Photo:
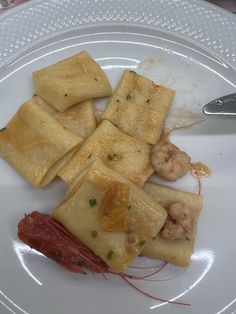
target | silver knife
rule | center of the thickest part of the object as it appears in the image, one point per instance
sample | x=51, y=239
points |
x=223, y=106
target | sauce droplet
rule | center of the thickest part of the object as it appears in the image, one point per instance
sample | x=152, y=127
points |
x=199, y=170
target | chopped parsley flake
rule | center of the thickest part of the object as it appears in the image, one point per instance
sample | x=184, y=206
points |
x=3, y=129
x=187, y=238
x=141, y=242
x=114, y=157
x=129, y=97
x=95, y=79
x=109, y=255
x=129, y=207
x=92, y=202
x=148, y=100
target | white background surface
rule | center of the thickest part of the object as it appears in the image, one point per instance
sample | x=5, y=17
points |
x=29, y=283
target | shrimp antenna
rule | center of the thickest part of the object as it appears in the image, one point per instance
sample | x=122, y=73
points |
x=152, y=296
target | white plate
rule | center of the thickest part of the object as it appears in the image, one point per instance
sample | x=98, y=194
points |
x=187, y=45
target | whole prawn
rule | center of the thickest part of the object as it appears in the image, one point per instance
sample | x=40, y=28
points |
x=49, y=237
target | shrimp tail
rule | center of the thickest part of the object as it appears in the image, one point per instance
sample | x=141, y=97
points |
x=44, y=234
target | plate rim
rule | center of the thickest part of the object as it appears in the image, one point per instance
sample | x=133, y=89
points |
x=26, y=4
x=9, y=51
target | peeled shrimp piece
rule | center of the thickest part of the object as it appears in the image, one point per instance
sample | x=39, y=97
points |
x=169, y=161
x=179, y=222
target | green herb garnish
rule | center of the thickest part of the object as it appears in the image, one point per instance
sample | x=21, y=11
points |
x=95, y=79
x=187, y=238
x=89, y=156
x=129, y=97
x=3, y=129
x=92, y=202
x=114, y=157
x=141, y=242
x=129, y=207
x=109, y=255
x=132, y=72
x=148, y=100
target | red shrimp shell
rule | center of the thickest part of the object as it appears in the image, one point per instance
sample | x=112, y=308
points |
x=42, y=233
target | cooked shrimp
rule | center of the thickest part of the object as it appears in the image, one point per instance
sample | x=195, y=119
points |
x=49, y=237
x=180, y=221
x=169, y=161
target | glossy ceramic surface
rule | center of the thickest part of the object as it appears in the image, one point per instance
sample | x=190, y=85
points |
x=30, y=283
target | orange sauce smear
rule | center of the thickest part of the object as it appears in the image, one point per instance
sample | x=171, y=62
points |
x=199, y=171
x=113, y=208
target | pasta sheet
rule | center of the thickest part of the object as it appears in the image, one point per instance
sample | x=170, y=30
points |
x=36, y=145
x=79, y=119
x=71, y=81
x=135, y=217
x=178, y=251
x=139, y=107
x=117, y=150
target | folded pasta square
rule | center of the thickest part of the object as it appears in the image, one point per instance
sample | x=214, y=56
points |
x=79, y=119
x=36, y=145
x=110, y=215
x=178, y=252
x=139, y=107
x=117, y=150
x=143, y=123
x=71, y=81
x=144, y=92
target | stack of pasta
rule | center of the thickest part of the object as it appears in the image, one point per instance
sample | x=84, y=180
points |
x=110, y=205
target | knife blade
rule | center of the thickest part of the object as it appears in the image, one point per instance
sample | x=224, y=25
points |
x=223, y=106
